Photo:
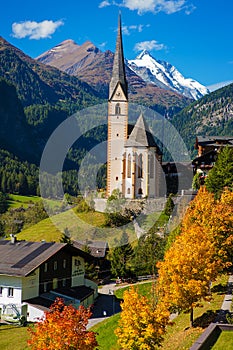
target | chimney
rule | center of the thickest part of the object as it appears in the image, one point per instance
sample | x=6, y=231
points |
x=13, y=239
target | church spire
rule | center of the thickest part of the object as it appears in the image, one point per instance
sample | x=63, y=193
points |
x=118, y=72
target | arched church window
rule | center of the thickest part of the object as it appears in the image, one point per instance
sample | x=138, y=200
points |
x=128, y=190
x=140, y=172
x=139, y=191
x=118, y=109
x=129, y=166
x=151, y=165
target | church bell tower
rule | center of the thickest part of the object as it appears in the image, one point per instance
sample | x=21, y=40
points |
x=117, y=119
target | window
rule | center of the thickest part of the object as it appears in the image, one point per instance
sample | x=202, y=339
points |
x=140, y=166
x=128, y=190
x=77, y=262
x=45, y=267
x=45, y=286
x=64, y=263
x=129, y=166
x=10, y=292
x=117, y=135
x=55, y=265
x=140, y=191
x=55, y=283
x=1, y=289
x=118, y=109
x=116, y=178
x=63, y=282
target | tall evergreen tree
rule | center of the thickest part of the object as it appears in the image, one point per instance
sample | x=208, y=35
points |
x=3, y=203
x=221, y=175
x=148, y=252
x=121, y=257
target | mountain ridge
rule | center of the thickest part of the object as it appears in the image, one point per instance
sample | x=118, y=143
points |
x=94, y=66
x=164, y=73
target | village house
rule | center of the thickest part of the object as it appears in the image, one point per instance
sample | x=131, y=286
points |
x=34, y=274
x=207, y=148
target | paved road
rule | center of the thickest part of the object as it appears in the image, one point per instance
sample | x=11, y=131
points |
x=226, y=305
x=105, y=305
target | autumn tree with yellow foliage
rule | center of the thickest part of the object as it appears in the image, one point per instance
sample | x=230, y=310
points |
x=142, y=323
x=203, y=248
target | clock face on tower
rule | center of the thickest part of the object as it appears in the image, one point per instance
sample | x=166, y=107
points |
x=118, y=94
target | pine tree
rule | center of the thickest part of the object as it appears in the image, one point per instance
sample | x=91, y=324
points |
x=121, y=257
x=221, y=175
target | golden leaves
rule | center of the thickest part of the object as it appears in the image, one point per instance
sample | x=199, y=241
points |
x=141, y=325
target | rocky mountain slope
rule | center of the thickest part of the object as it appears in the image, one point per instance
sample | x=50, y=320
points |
x=93, y=66
x=165, y=75
x=40, y=98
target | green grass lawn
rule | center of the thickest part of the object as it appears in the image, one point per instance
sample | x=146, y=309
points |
x=16, y=201
x=224, y=342
x=51, y=229
x=143, y=288
x=106, y=337
x=13, y=337
x=81, y=226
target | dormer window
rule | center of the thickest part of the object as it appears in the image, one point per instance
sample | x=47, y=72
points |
x=118, y=109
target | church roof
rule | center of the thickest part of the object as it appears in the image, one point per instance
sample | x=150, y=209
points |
x=118, y=72
x=140, y=135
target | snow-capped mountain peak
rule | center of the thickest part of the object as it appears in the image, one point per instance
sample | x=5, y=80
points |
x=163, y=74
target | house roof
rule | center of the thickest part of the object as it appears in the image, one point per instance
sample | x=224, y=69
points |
x=23, y=257
x=214, y=140
x=98, y=249
x=140, y=135
x=44, y=301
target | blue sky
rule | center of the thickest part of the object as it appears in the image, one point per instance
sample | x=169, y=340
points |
x=194, y=35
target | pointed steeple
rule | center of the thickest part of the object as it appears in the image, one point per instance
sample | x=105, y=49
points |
x=140, y=135
x=118, y=72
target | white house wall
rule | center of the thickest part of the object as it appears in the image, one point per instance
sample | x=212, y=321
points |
x=34, y=314
x=7, y=282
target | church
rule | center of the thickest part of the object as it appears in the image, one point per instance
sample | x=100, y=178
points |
x=133, y=157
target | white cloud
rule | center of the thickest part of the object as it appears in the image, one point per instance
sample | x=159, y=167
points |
x=102, y=45
x=104, y=4
x=126, y=30
x=149, y=45
x=35, y=30
x=219, y=85
x=154, y=6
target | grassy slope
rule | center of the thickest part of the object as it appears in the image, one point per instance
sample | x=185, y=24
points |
x=50, y=229
x=16, y=201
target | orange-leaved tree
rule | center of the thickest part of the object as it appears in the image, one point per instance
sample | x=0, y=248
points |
x=142, y=322
x=63, y=328
x=187, y=271
x=191, y=263
x=220, y=227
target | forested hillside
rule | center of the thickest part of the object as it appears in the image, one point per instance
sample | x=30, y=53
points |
x=211, y=115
